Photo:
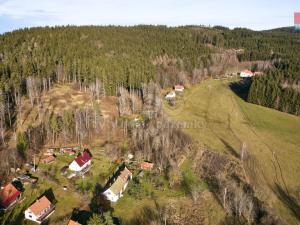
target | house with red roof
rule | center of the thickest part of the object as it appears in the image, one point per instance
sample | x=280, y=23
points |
x=82, y=162
x=9, y=195
x=40, y=210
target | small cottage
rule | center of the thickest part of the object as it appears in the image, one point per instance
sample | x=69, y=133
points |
x=40, y=210
x=179, y=88
x=246, y=74
x=146, y=166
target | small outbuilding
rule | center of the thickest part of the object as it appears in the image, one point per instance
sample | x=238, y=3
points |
x=179, y=88
x=171, y=95
x=146, y=166
x=246, y=74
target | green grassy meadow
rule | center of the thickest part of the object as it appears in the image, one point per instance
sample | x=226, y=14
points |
x=220, y=119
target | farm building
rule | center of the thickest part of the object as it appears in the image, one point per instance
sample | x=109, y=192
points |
x=118, y=186
x=146, y=166
x=246, y=74
x=82, y=162
x=171, y=95
x=40, y=210
x=179, y=88
x=9, y=195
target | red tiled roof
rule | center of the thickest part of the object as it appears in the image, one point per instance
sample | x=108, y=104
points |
x=147, y=165
x=247, y=71
x=297, y=18
x=72, y=222
x=8, y=195
x=40, y=205
x=83, y=158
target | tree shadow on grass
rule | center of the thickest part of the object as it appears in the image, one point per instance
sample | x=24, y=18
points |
x=18, y=185
x=241, y=88
x=99, y=202
x=288, y=200
x=81, y=216
x=230, y=148
x=233, y=220
x=50, y=195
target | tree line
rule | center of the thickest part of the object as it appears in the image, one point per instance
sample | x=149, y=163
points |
x=279, y=88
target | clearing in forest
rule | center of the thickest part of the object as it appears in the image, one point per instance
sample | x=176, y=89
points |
x=61, y=98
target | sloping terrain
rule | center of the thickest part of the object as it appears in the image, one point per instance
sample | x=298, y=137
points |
x=59, y=99
x=216, y=117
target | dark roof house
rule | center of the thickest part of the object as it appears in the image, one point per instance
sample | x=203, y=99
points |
x=83, y=158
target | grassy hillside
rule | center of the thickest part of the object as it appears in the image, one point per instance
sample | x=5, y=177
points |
x=218, y=118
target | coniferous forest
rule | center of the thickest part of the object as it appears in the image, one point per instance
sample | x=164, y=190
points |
x=130, y=56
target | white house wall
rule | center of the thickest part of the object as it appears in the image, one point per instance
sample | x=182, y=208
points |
x=33, y=217
x=111, y=196
x=74, y=166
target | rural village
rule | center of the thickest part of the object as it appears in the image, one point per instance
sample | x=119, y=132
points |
x=76, y=163
x=149, y=125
